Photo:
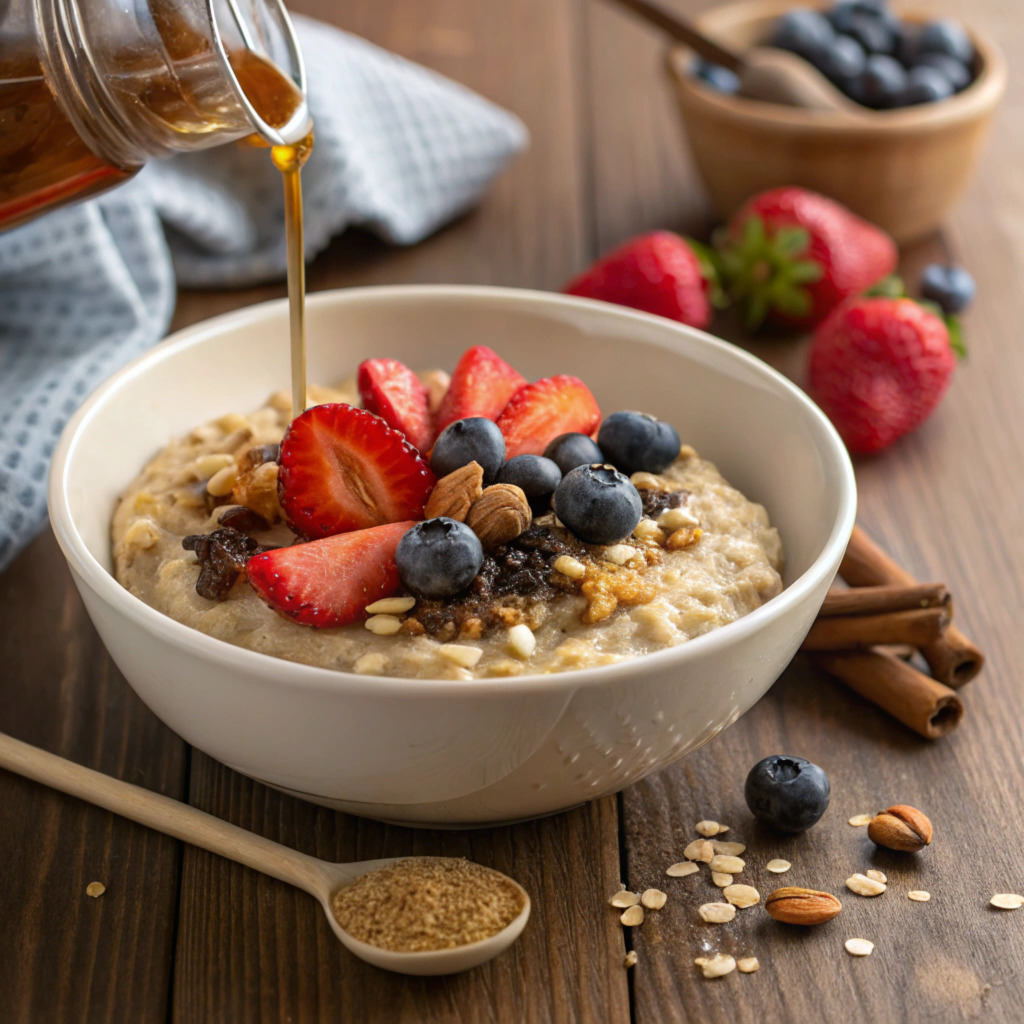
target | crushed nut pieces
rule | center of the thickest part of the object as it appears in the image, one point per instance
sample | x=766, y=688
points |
x=864, y=886
x=901, y=828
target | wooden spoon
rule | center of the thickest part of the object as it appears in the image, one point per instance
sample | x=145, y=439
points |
x=320, y=878
x=765, y=73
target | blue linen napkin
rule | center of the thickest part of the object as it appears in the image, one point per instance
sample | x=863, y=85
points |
x=399, y=150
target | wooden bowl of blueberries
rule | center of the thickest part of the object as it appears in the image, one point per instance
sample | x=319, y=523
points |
x=923, y=95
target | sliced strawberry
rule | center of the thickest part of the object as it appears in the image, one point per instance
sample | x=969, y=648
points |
x=342, y=468
x=393, y=392
x=537, y=413
x=329, y=582
x=481, y=385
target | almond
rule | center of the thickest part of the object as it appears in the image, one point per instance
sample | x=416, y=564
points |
x=499, y=515
x=901, y=828
x=802, y=906
x=453, y=494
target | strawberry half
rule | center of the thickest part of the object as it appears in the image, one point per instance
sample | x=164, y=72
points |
x=390, y=390
x=342, y=468
x=482, y=384
x=329, y=582
x=537, y=413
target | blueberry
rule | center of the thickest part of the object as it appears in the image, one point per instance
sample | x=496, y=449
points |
x=714, y=75
x=439, y=557
x=807, y=33
x=634, y=442
x=471, y=440
x=925, y=85
x=958, y=74
x=568, y=451
x=842, y=62
x=598, y=504
x=787, y=793
x=882, y=83
x=537, y=476
x=947, y=37
x=952, y=288
x=872, y=33
x=907, y=43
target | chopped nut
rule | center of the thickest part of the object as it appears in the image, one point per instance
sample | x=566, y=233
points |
x=726, y=848
x=684, y=538
x=630, y=960
x=859, y=947
x=673, y=519
x=919, y=895
x=208, y=465
x=778, y=866
x=373, y=664
x=878, y=876
x=619, y=554
x=748, y=965
x=461, y=654
x=651, y=482
x=716, y=913
x=700, y=849
x=454, y=494
x=707, y=828
x=391, y=606
x=859, y=820
x=383, y=625
x=793, y=905
x=142, y=534
x=901, y=828
x=624, y=898
x=632, y=916
x=727, y=865
x=653, y=899
x=648, y=529
x=741, y=896
x=682, y=869
x=521, y=641
x=864, y=886
x=499, y=515
x=719, y=966
x=222, y=483
x=721, y=879
x=95, y=889
x=1007, y=901
x=569, y=566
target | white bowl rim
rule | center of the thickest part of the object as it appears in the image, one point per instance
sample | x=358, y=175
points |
x=240, y=659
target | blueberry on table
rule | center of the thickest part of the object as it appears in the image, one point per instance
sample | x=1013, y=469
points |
x=882, y=83
x=598, y=504
x=872, y=33
x=634, y=442
x=475, y=439
x=714, y=75
x=925, y=85
x=952, y=288
x=842, y=62
x=907, y=43
x=567, y=451
x=536, y=476
x=947, y=37
x=958, y=74
x=807, y=33
x=439, y=557
x=787, y=793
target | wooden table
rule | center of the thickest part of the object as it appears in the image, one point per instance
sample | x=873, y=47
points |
x=183, y=936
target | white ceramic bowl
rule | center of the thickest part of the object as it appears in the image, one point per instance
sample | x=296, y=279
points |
x=457, y=752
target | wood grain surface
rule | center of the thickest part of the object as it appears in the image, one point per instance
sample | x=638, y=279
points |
x=183, y=936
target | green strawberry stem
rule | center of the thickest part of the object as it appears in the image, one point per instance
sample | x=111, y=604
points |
x=710, y=271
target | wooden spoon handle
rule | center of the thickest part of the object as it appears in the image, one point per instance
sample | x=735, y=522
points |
x=163, y=814
x=683, y=32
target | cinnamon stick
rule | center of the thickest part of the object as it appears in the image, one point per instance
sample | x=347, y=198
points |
x=953, y=658
x=889, y=597
x=928, y=707
x=847, y=632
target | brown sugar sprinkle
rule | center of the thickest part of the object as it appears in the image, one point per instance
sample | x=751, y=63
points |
x=425, y=903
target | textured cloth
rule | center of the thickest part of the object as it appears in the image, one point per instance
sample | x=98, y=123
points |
x=399, y=150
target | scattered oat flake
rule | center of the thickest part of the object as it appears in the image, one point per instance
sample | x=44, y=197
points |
x=859, y=820
x=859, y=947
x=1007, y=901
x=864, y=886
x=699, y=849
x=630, y=960
x=726, y=864
x=721, y=879
x=708, y=828
x=748, y=965
x=653, y=899
x=682, y=869
x=95, y=889
x=722, y=828
x=878, y=876
x=919, y=895
x=716, y=913
x=700, y=961
x=625, y=899
x=632, y=916
x=778, y=866
x=741, y=895
x=728, y=849
x=719, y=966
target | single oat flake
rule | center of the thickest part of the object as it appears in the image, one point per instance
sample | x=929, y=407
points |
x=878, y=876
x=864, y=886
x=727, y=848
x=682, y=869
x=748, y=965
x=778, y=866
x=1007, y=901
x=719, y=966
x=919, y=895
x=741, y=896
x=630, y=960
x=700, y=961
x=95, y=889
x=721, y=879
x=700, y=849
x=653, y=899
x=717, y=913
x=860, y=820
x=859, y=947
x=632, y=916
x=708, y=828
x=625, y=898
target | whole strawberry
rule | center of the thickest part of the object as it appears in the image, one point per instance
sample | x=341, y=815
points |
x=878, y=368
x=657, y=273
x=790, y=256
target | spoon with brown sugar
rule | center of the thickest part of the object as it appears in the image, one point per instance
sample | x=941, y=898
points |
x=453, y=914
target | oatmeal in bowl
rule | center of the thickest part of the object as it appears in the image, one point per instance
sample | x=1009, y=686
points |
x=421, y=526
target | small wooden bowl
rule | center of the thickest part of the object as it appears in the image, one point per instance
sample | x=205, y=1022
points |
x=900, y=169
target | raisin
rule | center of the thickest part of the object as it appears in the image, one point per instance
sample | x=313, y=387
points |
x=243, y=519
x=656, y=502
x=222, y=556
